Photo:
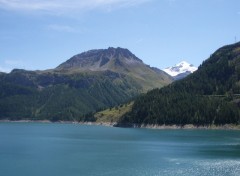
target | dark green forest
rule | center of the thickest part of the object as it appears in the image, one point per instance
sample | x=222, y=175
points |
x=206, y=97
x=62, y=97
x=76, y=89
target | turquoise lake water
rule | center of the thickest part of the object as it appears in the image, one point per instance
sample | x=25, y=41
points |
x=45, y=149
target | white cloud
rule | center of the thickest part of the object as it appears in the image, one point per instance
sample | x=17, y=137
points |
x=66, y=6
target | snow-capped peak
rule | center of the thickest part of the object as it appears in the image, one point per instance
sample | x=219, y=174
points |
x=182, y=67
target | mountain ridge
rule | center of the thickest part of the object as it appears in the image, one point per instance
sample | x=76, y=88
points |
x=99, y=59
x=209, y=96
x=118, y=60
x=72, y=91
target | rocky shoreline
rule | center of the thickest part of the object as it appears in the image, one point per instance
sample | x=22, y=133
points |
x=110, y=124
x=191, y=126
x=147, y=126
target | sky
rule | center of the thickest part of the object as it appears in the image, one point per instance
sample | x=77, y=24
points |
x=41, y=34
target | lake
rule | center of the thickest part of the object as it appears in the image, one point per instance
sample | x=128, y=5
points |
x=52, y=149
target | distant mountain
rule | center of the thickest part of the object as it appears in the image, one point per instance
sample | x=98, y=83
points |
x=120, y=61
x=180, y=70
x=209, y=96
x=85, y=83
x=114, y=59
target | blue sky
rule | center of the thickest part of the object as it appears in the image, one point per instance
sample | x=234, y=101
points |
x=41, y=34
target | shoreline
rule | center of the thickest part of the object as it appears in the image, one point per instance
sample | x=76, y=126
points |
x=192, y=127
x=143, y=126
x=110, y=124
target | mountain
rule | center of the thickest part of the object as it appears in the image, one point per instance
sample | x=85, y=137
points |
x=209, y=96
x=120, y=61
x=82, y=85
x=180, y=70
x=114, y=59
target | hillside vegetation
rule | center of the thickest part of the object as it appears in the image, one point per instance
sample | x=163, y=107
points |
x=75, y=90
x=208, y=96
x=113, y=114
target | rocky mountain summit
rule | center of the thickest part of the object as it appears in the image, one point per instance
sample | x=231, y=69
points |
x=117, y=60
x=101, y=60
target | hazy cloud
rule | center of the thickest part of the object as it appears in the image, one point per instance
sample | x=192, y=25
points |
x=13, y=62
x=64, y=6
x=171, y=2
x=138, y=41
x=4, y=69
x=8, y=64
x=62, y=28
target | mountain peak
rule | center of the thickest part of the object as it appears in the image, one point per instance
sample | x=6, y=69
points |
x=183, y=63
x=117, y=60
x=101, y=59
x=183, y=69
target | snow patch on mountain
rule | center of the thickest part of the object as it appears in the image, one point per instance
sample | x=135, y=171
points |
x=180, y=68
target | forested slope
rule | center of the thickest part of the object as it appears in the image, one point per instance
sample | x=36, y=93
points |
x=208, y=96
x=86, y=83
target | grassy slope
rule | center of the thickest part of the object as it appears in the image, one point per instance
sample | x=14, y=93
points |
x=144, y=75
x=113, y=114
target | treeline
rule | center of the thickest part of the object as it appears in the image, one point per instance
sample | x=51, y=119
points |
x=191, y=100
x=181, y=108
x=51, y=96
